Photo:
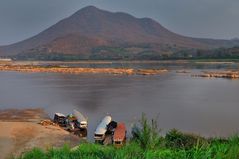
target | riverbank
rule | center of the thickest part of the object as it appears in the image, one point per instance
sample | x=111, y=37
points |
x=218, y=74
x=147, y=143
x=22, y=137
x=77, y=70
x=21, y=131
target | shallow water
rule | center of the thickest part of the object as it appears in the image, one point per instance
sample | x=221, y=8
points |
x=204, y=106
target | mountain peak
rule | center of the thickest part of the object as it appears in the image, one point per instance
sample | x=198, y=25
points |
x=88, y=9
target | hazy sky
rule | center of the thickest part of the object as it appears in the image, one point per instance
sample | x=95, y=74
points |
x=20, y=19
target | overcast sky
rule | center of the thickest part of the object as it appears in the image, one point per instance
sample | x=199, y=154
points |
x=20, y=19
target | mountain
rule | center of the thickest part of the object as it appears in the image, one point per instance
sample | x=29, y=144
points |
x=92, y=33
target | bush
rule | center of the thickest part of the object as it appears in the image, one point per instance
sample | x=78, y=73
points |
x=179, y=140
x=146, y=134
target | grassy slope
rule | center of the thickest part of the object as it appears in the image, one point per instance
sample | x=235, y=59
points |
x=133, y=150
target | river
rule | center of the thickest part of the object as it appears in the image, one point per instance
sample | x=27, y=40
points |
x=203, y=106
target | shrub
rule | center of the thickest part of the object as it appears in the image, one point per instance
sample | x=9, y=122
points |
x=179, y=140
x=146, y=134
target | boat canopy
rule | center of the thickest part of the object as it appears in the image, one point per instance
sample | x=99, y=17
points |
x=60, y=115
x=101, y=128
x=80, y=117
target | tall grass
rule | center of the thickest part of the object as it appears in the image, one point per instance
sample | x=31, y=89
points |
x=146, y=133
x=147, y=143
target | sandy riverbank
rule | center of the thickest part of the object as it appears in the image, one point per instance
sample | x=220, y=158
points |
x=218, y=74
x=77, y=70
x=21, y=131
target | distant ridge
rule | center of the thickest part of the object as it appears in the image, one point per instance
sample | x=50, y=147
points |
x=94, y=33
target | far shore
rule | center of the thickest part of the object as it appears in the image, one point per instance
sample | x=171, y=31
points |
x=65, y=67
x=198, y=61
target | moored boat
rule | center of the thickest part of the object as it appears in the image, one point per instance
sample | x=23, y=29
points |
x=119, y=137
x=102, y=129
x=81, y=120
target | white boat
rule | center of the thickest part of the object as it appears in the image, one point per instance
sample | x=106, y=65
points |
x=81, y=119
x=102, y=128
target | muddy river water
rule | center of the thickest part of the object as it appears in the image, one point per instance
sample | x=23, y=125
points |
x=208, y=107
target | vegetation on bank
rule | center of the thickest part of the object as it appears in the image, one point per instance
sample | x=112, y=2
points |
x=147, y=143
x=134, y=52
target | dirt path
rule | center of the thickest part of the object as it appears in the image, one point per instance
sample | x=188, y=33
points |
x=18, y=135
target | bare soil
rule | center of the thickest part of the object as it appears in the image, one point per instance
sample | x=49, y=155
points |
x=20, y=131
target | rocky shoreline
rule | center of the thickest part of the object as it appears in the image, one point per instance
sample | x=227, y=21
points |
x=219, y=74
x=78, y=70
